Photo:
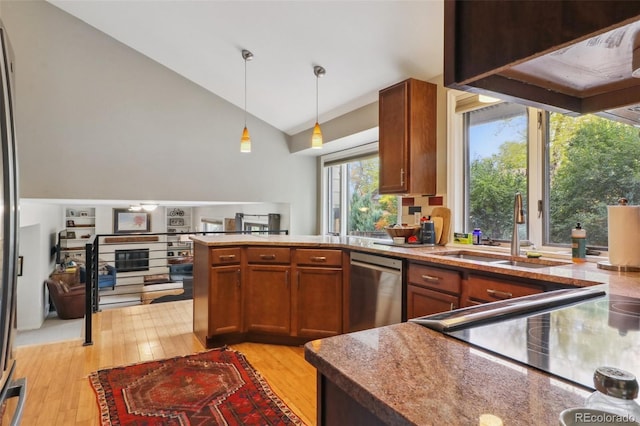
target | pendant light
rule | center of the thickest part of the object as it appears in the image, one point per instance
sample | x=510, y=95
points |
x=245, y=140
x=316, y=137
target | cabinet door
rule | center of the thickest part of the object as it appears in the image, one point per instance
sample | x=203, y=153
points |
x=407, y=138
x=268, y=301
x=422, y=301
x=488, y=289
x=393, y=138
x=318, y=302
x=225, y=298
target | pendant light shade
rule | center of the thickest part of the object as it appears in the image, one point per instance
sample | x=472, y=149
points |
x=316, y=137
x=245, y=140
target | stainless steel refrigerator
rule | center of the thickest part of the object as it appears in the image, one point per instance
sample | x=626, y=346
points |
x=10, y=387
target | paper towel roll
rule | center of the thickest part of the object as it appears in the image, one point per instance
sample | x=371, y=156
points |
x=624, y=235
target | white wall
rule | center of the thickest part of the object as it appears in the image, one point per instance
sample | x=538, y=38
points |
x=97, y=120
x=39, y=225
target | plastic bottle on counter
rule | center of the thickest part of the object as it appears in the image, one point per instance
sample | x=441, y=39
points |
x=578, y=244
x=615, y=393
x=477, y=237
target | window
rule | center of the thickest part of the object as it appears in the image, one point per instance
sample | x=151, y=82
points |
x=351, y=203
x=568, y=169
x=212, y=225
x=496, y=142
x=591, y=162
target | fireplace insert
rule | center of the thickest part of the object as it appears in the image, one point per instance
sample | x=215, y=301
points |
x=132, y=260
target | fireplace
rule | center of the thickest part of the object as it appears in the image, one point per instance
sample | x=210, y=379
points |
x=133, y=260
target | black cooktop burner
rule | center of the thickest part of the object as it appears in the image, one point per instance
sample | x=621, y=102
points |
x=569, y=342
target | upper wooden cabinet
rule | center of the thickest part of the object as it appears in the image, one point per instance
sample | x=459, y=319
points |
x=407, y=140
x=553, y=54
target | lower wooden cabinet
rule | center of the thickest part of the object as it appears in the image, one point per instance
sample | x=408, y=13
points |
x=431, y=290
x=268, y=299
x=482, y=289
x=225, y=291
x=422, y=301
x=318, y=303
x=267, y=294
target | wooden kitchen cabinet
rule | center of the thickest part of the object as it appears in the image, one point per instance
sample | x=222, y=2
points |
x=268, y=300
x=226, y=300
x=479, y=289
x=318, y=300
x=217, y=292
x=422, y=301
x=268, y=290
x=407, y=138
x=431, y=290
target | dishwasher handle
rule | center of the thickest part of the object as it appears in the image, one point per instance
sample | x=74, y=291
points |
x=376, y=267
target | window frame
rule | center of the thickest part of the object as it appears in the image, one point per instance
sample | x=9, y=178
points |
x=457, y=104
x=339, y=158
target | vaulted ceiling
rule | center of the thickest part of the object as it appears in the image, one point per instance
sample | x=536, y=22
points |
x=363, y=45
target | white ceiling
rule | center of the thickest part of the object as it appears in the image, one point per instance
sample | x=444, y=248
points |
x=364, y=46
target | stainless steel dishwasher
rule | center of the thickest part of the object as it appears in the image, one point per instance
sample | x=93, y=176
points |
x=375, y=295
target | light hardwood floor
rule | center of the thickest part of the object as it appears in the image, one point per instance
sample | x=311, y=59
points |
x=59, y=393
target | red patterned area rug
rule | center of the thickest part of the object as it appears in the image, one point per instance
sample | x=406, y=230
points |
x=217, y=387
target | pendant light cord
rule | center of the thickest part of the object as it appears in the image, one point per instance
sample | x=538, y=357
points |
x=245, y=92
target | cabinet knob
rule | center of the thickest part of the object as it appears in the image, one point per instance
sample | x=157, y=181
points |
x=227, y=257
x=318, y=259
x=268, y=256
x=499, y=294
x=402, y=176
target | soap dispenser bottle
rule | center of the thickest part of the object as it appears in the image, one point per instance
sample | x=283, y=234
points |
x=578, y=244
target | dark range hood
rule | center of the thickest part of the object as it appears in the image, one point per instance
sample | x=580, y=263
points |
x=573, y=57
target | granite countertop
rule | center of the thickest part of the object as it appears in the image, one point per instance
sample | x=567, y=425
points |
x=408, y=375
x=579, y=275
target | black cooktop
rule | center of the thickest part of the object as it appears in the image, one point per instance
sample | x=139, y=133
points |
x=568, y=342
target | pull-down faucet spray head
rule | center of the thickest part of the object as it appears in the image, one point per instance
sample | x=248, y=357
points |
x=518, y=218
x=518, y=211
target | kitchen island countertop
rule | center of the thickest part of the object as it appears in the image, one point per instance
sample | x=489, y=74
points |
x=406, y=374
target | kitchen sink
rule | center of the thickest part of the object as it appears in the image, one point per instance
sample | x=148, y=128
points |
x=500, y=260
x=523, y=264
x=476, y=257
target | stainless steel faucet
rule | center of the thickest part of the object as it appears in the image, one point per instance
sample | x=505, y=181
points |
x=518, y=218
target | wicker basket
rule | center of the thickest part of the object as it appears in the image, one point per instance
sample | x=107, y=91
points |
x=405, y=231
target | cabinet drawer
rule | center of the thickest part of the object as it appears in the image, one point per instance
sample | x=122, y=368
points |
x=315, y=257
x=487, y=289
x=434, y=278
x=225, y=256
x=269, y=255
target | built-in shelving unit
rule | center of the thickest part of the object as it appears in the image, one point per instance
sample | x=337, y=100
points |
x=80, y=225
x=178, y=221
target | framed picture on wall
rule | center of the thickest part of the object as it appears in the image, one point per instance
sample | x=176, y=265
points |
x=126, y=221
